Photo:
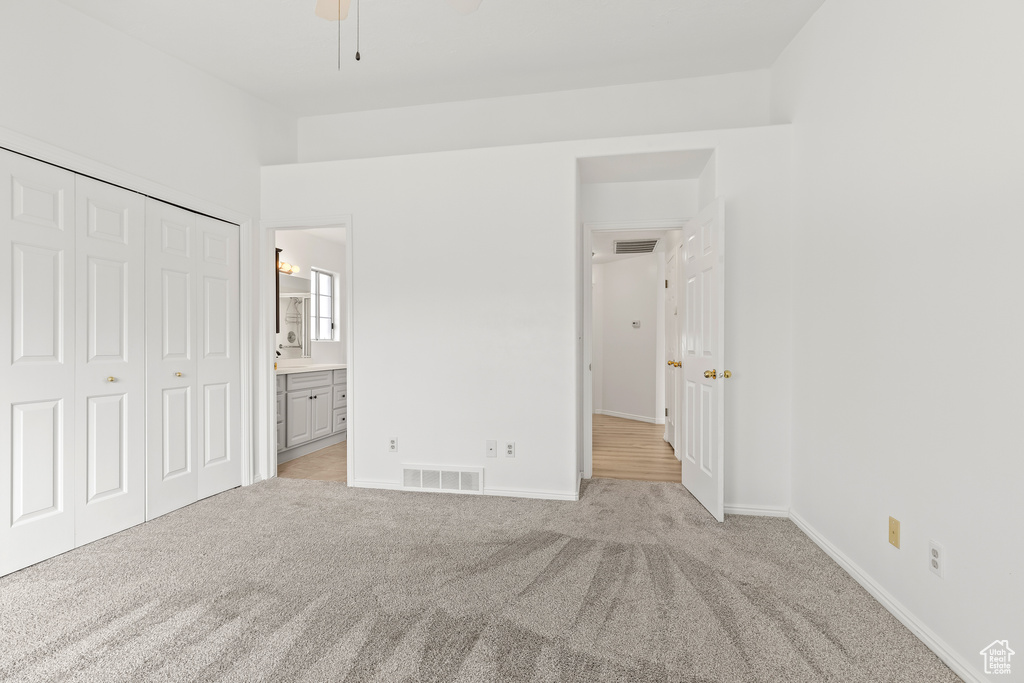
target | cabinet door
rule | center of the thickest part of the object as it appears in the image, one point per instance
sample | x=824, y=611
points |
x=172, y=479
x=37, y=361
x=299, y=418
x=323, y=412
x=110, y=401
x=218, y=398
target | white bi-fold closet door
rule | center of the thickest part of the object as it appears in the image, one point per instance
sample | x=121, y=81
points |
x=194, y=371
x=78, y=459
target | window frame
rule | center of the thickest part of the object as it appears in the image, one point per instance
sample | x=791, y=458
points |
x=315, y=314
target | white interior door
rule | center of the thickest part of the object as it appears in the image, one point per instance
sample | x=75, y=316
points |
x=671, y=351
x=172, y=264
x=219, y=367
x=37, y=353
x=110, y=387
x=703, y=400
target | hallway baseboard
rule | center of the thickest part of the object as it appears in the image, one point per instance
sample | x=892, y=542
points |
x=627, y=416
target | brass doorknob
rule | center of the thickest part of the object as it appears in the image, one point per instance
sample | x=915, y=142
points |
x=711, y=374
x=678, y=364
x=672, y=363
x=726, y=374
x=111, y=379
x=177, y=374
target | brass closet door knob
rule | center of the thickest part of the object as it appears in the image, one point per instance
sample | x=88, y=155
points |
x=726, y=374
x=177, y=374
x=711, y=374
x=111, y=379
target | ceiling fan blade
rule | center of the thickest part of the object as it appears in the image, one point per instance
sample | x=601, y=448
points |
x=329, y=9
x=465, y=6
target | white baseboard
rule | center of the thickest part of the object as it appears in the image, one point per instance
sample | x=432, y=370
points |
x=756, y=511
x=386, y=485
x=530, y=493
x=627, y=416
x=951, y=659
x=508, y=493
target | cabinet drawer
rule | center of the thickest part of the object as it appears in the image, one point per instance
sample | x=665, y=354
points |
x=280, y=383
x=308, y=380
x=340, y=420
x=280, y=408
x=340, y=376
x=340, y=396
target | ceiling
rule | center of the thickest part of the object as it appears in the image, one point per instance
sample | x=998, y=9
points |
x=336, y=235
x=422, y=51
x=654, y=166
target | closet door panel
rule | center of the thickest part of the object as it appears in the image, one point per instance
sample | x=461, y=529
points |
x=37, y=411
x=172, y=263
x=110, y=473
x=220, y=415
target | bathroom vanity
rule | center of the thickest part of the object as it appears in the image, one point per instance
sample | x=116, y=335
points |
x=312, y=402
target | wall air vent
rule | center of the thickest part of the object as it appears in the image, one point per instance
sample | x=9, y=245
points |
x=446, y=479
x=635, y=246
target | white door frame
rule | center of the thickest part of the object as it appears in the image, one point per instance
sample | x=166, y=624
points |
x=266, y=377
x=584, y=367
x=249, y=280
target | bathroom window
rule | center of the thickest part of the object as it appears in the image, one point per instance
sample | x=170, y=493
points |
x=322, y=308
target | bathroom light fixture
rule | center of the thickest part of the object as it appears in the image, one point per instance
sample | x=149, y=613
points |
x=287, y=268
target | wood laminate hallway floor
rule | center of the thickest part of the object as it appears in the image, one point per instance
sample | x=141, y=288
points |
x=326, y=464
x=627, y=449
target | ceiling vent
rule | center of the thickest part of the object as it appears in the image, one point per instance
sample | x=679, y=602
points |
x=635, y=246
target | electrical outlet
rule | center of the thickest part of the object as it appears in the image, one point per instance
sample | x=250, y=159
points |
x=936, y=558
x=894, y=531
x=492, y=449
x=510, y=449
x=393, y=444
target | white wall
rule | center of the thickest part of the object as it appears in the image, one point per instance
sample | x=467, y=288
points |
x=75, y=83
x=629, y=355
x=729, y=101
x=639, y=201
x=908, y=175
x=312, y=251
x=465, y=304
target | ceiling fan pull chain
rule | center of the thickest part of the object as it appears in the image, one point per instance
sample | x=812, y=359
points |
x=359, y=16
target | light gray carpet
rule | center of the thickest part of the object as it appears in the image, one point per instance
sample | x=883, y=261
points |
x=294, y=580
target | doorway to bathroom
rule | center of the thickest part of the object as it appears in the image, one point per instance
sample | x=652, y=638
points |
x=311, y=370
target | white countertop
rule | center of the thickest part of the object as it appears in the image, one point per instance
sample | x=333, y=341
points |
x=291, y=370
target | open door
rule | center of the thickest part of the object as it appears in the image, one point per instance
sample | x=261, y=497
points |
x=702, y=300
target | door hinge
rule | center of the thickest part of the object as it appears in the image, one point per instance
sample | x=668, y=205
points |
x=666, y=284
x=666, y=412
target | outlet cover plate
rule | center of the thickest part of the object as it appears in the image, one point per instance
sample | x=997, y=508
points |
x=894, y=532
